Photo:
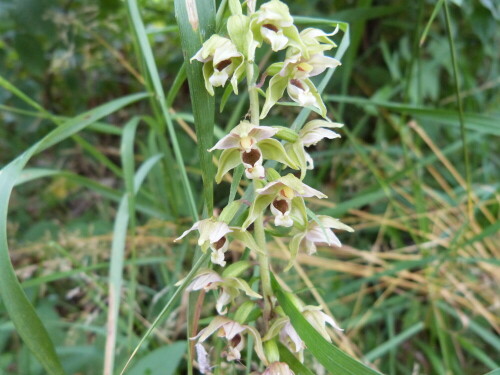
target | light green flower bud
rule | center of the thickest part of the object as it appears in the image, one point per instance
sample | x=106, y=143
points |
x=273, y=24
x=221, y=62
x=271, y=350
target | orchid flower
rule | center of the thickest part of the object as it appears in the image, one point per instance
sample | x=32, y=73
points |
x=221, y=61
x=319, y=231
x=212, y=233
x=230, y=286
x=233, y=332
x=273, y=24
x=282, y=195
x=313, y=132
x=249, y=145
x=318, y=319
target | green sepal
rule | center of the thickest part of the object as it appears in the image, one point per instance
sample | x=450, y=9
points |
x=274, y=150
x=229, y=211
x=238, y=27
x=208, y=70
x=286, y=134
x=276, y=327
x=243, y=313
x=236, y=269
x=296, y=152
x=272, y=174
x=299, y=206
x=258, y=206
x=274, y=69
x=228, y=160
x=247, y=239
x=274, y=92
x=294, y=246
x=279, y=231
x=235, y=7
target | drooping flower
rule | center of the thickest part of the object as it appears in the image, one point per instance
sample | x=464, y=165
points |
x=288, y=336
x=317, y=231
x=313, y=132
x=212, y=233
x=301, y=63
x=283, y=195
x=230, y=288
x=273, y=24
x=233, y=332
x=318, y=319
x=221, y=62
x=249, y=145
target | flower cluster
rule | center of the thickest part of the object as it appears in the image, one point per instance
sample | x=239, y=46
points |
x=278, y=190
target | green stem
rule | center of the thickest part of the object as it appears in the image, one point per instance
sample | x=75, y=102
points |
x=260, y=235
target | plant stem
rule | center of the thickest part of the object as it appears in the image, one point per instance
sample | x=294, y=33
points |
x=260, y=236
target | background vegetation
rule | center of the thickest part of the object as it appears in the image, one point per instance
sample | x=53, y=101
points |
x=415, y=287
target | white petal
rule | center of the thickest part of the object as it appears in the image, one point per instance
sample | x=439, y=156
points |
x=317, y=235
x=218, y=230
x=328, y=319
x=229, y=141
x=277, y=40
x=217, y=257
x=202, y=357
x=255, y=172
x=316, y=135
x=310, y=192
x=270, y=188
x=204, y=281
x=320, y=63
x=309, y=161
x=194, y=227
x=218, y=78
x=222, y=301
x=262, y=132
x=232, y=329
x=294, y=336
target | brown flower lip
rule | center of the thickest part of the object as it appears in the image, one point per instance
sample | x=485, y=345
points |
x=220, y=243
x=250, y=157
x=281, y=205
x=270, y=27
x=297, y=83
x=220, y=66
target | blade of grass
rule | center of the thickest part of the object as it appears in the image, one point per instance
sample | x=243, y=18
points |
x=460, y=111
x=123, y=216
x=159, y=97
x=193, y=33
x=394, y=342
x=22, y=313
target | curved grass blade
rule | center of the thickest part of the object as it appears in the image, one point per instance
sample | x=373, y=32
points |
x=332, y=358
x=193, y=33
x=287, y=357
x=20, y=310
x=123, y=216
x=159, y=97
x=166, y=309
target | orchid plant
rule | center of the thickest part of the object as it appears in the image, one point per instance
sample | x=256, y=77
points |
x=227, y=59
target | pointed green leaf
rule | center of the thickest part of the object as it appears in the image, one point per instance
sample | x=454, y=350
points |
x=228, y=160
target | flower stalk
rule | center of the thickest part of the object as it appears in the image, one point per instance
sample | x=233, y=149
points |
x=227, y=59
